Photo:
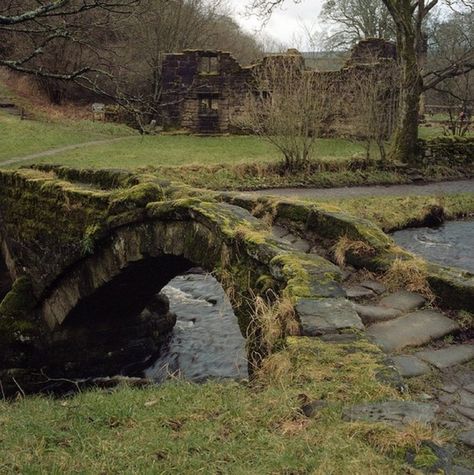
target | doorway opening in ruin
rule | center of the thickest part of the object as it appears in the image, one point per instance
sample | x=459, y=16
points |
x=208, y=113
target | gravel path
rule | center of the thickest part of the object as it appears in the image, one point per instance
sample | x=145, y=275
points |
x=443, y=187
x=55, y=151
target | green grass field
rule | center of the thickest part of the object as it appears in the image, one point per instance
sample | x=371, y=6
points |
x=20, y=138
x=23, y=137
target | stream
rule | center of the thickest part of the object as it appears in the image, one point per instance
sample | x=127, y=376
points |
x=206, y=341
x=451, y=244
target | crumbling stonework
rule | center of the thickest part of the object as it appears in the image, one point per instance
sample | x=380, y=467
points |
x=205, y=91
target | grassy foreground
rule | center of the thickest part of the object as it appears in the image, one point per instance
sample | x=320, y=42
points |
x=218, y=427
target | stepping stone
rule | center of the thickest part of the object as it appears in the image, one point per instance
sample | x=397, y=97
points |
x=467, y=438
x=403, y=300
x=320, y=316
x=358, y=292
x=374, y=313
x=396, y=413
x=410, y=366
x=446, y=357
x=377, y=287
x=414, y=329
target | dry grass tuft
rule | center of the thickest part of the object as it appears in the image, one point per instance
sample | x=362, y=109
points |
x=387, y=440
x=344, y=245
x=275, y=369
x=409, y=274
x=272, y=320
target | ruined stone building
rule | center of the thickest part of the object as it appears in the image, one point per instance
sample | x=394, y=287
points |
x=204, y=91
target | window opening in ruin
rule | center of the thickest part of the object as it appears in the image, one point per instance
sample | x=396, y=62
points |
x=209, y=65
x=208, y=105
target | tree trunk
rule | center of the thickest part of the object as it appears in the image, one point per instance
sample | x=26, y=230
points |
x=405, y=138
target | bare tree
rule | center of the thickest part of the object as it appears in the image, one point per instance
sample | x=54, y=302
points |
x=409, y=18
x=288, y=107
x=40, y=26
x=355, y=20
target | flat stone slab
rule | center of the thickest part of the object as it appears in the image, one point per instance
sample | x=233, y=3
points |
x=396, y=413
x=414, y=329
x=467, y=438
x=403, y=300
x=446, y=357
x=375, y=313
x=410, y=366
x=377, y=287
x=320, y=316
x=358, y=292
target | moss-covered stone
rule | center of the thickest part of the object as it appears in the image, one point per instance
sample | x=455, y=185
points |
x=15, y=311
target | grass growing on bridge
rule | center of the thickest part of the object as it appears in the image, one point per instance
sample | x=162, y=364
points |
x=216, y=427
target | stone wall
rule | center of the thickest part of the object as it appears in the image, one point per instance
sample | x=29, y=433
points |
x=204, y=91
x=449, y=151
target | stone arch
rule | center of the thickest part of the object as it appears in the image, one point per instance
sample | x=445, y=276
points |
x=129, y=267
x=146, y=256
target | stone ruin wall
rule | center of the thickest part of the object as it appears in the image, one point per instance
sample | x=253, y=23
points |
x=203, y=91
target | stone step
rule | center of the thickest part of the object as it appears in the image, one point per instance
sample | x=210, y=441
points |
x=358, y=292
x=414, y=329
x=395, y=413
x=403, y=300
x=447, y=357
x=374, y=313
x=329, y=315
x=409, y=366
x=377, y=287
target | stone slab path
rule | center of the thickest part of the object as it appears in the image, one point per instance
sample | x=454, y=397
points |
x=403, y=326
x=414, y=329
x=443, y=187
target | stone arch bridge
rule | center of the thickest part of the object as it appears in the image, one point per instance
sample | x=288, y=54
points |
x=83, y=252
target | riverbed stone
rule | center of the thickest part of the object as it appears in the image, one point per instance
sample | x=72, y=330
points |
x=377, y=287
x=414, y=329
x=396, y=413
x=321, y=316
x=403, y=300
x=449, y=356
x=375, y=313
x=358, y=292
x=410, y=366
x=467, y=438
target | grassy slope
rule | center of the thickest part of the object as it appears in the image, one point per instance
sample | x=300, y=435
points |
x=19, y=138
x=215, y=428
